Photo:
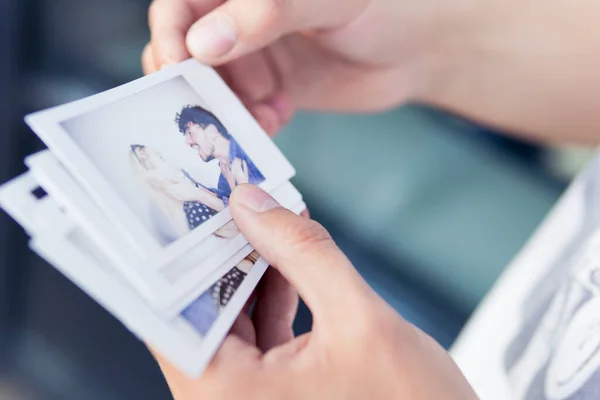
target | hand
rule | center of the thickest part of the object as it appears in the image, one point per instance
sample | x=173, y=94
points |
x=226, y=172
x=279, y=55
x=359, y=347
x=239, y=170
x=500, y=62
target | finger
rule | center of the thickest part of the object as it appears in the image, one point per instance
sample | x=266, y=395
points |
x=148, y=65
x=267, y=118
x=275, y=311
x=302, y=251
x=169, y=22
x=239, y=27
x=282, y=104
x=274, y=113
x=251, y=77
x=256, y=81
x=243, y=328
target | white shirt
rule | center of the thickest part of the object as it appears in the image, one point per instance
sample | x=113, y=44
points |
x=537, y=333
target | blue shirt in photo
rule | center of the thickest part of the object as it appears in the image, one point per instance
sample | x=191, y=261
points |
x=202, y=313
x=223, y=190
x=255, y=177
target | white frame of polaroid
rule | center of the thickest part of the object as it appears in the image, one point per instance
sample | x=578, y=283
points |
x=167, y=297
x=188, y=353
x=221, y=101
x=32, y=213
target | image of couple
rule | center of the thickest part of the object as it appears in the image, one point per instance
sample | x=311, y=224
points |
x=179, y=202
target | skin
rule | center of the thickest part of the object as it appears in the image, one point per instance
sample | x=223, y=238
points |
x=527, y=68
x=204, y=141
x=478, y=59
x=359, y=348
x=179, y=188
x=209, y=144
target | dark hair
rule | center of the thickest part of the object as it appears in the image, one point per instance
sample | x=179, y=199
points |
x=201, y=117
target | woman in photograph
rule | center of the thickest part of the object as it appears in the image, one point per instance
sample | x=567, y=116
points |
x=205, y=310
x=185, y=204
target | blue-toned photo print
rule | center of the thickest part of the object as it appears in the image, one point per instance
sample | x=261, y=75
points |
x=167, y=155
x=204, y=311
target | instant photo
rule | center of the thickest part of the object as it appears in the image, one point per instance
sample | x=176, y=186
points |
x=161, y=155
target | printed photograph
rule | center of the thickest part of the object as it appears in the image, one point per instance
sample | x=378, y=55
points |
x=169, y=157
x=204, y=311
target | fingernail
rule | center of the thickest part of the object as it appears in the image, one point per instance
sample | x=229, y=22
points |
x=211, y=37
x=254, y=198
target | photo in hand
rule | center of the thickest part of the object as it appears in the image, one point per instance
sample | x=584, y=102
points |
x=162, y=154
x=174, y=164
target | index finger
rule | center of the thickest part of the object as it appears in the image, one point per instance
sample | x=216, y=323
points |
x=169, y=21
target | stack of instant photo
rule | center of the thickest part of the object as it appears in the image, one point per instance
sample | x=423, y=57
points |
x=130, y=202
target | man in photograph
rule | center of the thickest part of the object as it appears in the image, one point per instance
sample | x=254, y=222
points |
x=206, y=135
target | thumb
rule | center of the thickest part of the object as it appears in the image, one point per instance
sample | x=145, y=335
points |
x=303, y=251
x=238, y=27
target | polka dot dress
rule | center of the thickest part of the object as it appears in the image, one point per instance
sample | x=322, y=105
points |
x=224, y=289
x=197, y=213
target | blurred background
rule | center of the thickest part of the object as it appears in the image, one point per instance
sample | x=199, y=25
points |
x=430, y=214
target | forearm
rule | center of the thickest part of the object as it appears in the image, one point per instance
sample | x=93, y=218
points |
x=210, y=199
x=528, y=67
x=188, y=192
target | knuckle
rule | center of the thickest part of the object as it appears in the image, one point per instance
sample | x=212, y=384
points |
x=306, y=235
x=269, y=17
x=366, y=327
x=373, y=322
x=154, y=12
